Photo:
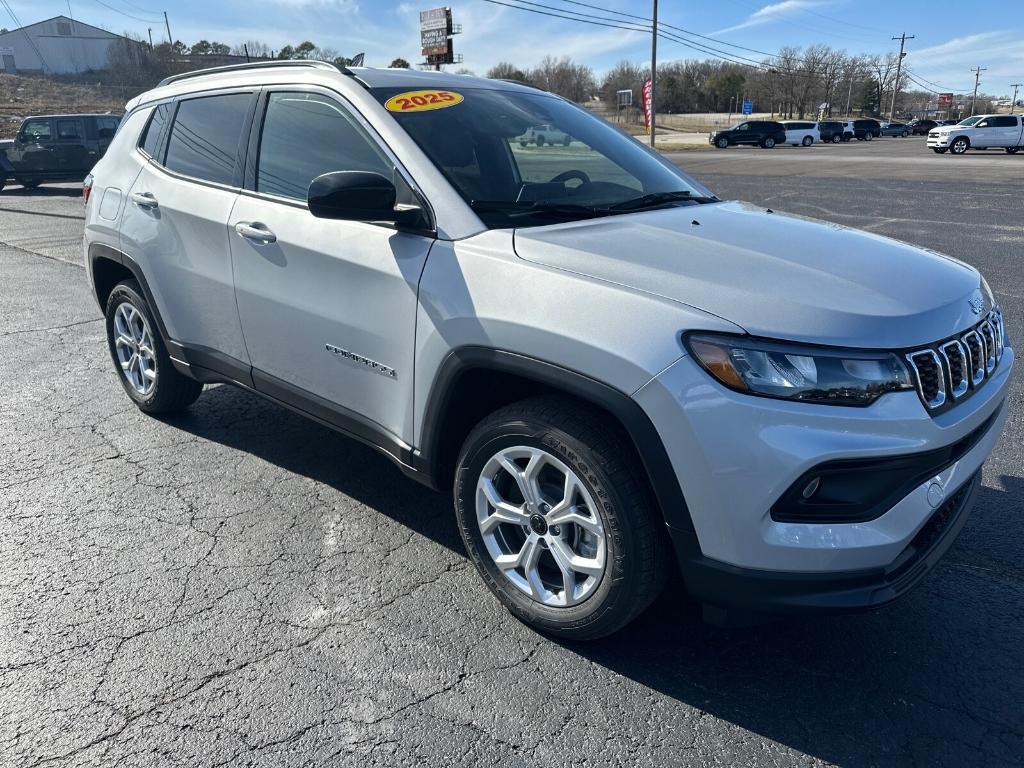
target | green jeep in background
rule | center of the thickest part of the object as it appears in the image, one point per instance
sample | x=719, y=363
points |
x=53, y=148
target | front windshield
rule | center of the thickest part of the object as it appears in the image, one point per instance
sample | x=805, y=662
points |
x=526, y=159
x=971, y=120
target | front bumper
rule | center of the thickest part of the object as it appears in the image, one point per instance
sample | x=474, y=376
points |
x=734, y=456
x=938, y=141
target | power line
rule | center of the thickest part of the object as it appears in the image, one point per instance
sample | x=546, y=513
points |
x=128, y=15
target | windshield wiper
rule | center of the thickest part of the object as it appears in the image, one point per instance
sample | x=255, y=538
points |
x=541, y=207
x=659, y=198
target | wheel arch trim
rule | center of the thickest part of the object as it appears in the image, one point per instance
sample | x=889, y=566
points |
x=644, y=436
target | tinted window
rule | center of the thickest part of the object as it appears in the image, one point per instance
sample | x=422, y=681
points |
x=36, y=130
x=69, y=129
x=306, y=135
x=204, y=138
x=157, y=121
x=1003, y=121
x=106, y=127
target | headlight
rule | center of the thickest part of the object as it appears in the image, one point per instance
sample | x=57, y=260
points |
x=798, y=372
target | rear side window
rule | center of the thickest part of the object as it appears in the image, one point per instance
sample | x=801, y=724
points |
x=69, y=129
x=204, y=137
x=151, y=138
x=306, y=135
x=1003, y=121
x=106, y=127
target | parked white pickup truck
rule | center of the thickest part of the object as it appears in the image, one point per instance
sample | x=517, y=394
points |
x=978, y=132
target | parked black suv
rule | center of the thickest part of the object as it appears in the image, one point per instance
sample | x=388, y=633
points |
x=831, y=130
x=866, y=130
x=56, y=148
x=763, y=133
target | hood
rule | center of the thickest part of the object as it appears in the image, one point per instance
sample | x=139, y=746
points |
x=773, y=274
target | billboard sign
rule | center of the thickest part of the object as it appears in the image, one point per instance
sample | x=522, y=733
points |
x=435, y=18
x=945, y=100
x=434, y=41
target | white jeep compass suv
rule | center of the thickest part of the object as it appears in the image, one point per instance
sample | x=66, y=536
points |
x=615, y=372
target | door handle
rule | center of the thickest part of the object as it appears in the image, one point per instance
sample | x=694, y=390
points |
x=256, y=232
x=144, y=199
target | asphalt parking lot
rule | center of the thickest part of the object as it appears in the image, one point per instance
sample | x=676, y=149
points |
x=237, y=586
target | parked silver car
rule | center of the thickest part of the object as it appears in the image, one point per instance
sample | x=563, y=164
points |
x=613, y=371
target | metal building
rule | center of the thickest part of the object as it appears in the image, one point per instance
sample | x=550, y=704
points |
x=57, y=46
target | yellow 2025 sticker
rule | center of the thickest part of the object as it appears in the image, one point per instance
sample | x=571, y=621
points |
x=421, y=101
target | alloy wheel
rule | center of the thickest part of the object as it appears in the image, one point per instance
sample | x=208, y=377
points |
x=540, y=526
x=134, y=346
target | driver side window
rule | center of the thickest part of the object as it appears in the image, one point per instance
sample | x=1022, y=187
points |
x=35, y=131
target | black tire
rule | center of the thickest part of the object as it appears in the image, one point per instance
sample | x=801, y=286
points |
x=1009, y=151
x=938, y=150
x=868, y=136
x=172, y=391
x=721, y=142
x=524, y=143
x=904, y=134
x=596, y=451
x=566, y=141
x=540, y=141
x=836, y=138
x=959, y=145
x=807, y=141
x=30, y=183
x=768, y=143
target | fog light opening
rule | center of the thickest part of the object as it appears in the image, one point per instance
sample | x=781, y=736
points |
x=811, y=488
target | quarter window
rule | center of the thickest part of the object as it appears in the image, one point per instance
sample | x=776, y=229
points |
x=306, y=135
x=204, y=137
x=157, y=121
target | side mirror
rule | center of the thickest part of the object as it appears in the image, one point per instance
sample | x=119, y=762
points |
x=353, y=196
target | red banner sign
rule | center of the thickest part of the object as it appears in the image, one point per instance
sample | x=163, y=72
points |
x=647, y=105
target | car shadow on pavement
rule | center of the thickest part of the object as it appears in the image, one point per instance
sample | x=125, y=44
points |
x=933, y=679
x=249, y=423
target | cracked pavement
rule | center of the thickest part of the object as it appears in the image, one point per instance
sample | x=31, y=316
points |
x=237, y=586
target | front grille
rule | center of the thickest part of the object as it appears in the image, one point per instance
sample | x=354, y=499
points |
x=954, y=368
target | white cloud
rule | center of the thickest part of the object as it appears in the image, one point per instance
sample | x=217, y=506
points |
x=770, y=13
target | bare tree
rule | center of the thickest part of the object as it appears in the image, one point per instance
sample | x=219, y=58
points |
x=565, y=77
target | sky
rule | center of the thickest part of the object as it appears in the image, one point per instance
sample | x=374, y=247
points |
x=948, y=44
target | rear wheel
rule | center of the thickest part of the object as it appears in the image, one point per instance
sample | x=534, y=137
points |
x=557, y=518
x=807, y=141
x=540, y=141
x=140, y=357
x=565, y=141
x=768, y=143
x=1009, y=151
x=836, y=138
x=904, y=134
x=868, y=136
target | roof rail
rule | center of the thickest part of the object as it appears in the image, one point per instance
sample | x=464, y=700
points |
x=255, y=65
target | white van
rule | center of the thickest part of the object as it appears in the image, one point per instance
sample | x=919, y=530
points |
x=801, y=132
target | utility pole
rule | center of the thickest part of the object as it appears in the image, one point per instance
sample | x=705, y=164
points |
x=1013, y=103
x=849, y=92
x=977, y=78
x=150, y=30
x=170, y=40
x=654, y=66
x=899, y=68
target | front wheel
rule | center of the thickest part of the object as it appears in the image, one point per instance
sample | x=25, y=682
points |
x=768, y=143
x=959, y=146
x=904, y=134
x=721, y=142
x=938, y=150
x=540, y=141
x=140, y=357
x=1009, y=151
x=557, y=518
x=836, y=138
x=868, y=136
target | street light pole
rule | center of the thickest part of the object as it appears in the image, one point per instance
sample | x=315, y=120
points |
x=654, y=66
x=977, y=78
x=899, y=67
